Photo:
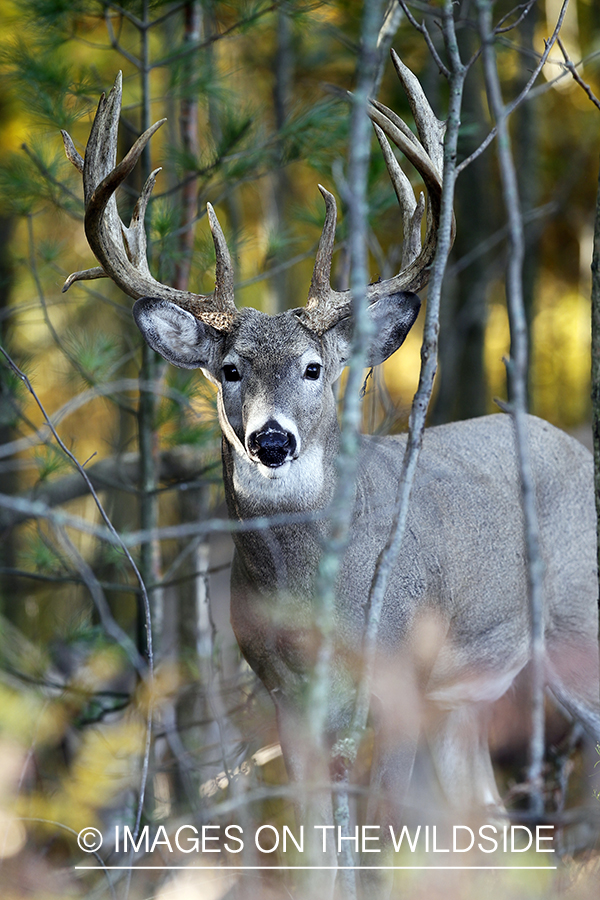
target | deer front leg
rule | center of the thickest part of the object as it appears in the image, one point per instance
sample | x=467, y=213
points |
x=461, y=756
x=391, y=773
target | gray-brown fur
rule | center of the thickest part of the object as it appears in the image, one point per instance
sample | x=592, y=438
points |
x=461, y=574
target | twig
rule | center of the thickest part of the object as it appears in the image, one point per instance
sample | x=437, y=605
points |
x=114, y=42
x=422, y=29
x=119, y=587
x=74, y=833
x=172, y=10
x=47, y=174
x=570, y=65
x=46, y=577
x=188, y=124
x=517, y=373
x=525, y=7
x=422, y=397
x=109, y=624
x=201, y=45
x=119, y=541
x=35, y=509
x=530, y=217
x=355, y=191
x=112, y=530
x=54, y=334
x=40, y=436
x=126, y=14
x=510, y=108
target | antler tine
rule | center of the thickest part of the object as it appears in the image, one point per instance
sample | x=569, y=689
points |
x=324, y=308
x=319, y=285
x=224, y=268
x=412, y=212
x=121, y=250
x=431, y=129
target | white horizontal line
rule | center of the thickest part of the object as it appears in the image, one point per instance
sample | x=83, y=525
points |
x=316, y=868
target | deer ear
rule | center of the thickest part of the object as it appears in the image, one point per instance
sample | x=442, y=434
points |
x=177, y=335
x=393, y=316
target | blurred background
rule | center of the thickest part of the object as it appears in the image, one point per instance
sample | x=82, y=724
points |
x=255, y=99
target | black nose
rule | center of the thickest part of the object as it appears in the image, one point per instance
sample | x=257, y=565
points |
x=272, y=444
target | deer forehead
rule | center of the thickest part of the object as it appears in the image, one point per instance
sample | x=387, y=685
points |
x=259, y=337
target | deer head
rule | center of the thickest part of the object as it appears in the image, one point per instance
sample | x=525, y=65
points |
x=300, y=353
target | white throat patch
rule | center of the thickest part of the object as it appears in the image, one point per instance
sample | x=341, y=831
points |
x=298, y=482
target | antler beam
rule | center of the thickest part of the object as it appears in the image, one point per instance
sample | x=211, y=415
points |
x=121, y=250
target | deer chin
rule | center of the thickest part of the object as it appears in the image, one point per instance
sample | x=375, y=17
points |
x=273, y=471
x=298, y=481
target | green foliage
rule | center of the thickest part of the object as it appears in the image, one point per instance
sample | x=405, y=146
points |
x=57, y=19
x=46, y=82
x=164, y=220
x=50, y=250
x=187, y=413
x=279, y=242
x=42, y=555
x=96, y=354
x=50, y=460
x=34, y=177
x=315, y=133
x=12, y=397
x=113, y=558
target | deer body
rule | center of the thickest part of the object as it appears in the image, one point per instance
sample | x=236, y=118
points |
x=454, y=633
x=462, y=560
x=462, y=564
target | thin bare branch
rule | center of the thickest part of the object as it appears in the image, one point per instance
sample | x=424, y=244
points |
x=428, y=368
x=42, y=298
x=510, y=108
x=517, y=372
x=126, y=14
x=49, y=177
x=176, y=466
x=112, y=628
x=354, y=191
x=524, y=7
x=422, y=29
x=573, y=70
x=201, y=45
x=114, y=42
x=25, y=380
x=40, y=435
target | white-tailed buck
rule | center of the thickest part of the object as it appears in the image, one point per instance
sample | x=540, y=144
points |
x=454, y=633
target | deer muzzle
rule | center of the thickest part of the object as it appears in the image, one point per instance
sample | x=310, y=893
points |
x=272, y=445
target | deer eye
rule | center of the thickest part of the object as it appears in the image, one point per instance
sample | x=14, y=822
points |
x=313, y=371
x=230, y=373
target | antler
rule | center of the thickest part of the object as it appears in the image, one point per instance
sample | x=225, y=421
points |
x=325, y=306
x=121, y=250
